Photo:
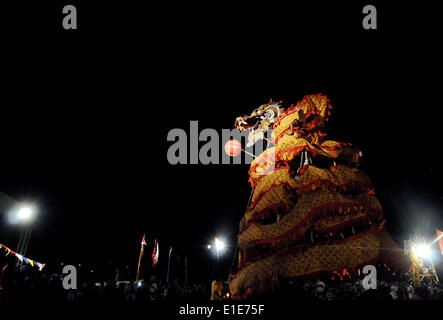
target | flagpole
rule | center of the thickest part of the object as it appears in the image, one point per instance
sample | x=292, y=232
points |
x=138, y=266
x=169, y=262
x=140, y=259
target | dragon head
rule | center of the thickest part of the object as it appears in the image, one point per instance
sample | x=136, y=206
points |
x=259, y=121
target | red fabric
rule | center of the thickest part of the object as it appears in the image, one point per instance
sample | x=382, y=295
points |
x=143, y=240
x=155, y=254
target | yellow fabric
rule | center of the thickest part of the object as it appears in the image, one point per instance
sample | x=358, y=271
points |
x=351, y=254
x=337, y=176
x=317, y=104
x=289, y=148
x=305, y=205
x=153, y=288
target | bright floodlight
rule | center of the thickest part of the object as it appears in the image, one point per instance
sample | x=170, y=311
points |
x=219, y=245
x=25, y=213
x=209, y=246
x=422, y=251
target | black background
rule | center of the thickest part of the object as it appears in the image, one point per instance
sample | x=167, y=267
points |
x=85, y=116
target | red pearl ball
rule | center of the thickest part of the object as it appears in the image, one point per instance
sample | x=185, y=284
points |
x=233, y=147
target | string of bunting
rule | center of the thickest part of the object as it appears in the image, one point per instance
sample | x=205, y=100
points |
x=21, y=258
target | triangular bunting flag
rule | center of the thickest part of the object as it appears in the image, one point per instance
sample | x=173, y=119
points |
x=22, y=258
x=40, y=266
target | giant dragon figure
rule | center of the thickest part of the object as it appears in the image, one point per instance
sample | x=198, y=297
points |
x=312, y=210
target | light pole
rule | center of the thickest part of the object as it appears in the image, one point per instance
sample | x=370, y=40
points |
x=219, y=247
x=423, y=269
x=25, y=215
x=19, y=214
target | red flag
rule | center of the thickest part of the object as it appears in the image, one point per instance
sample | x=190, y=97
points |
x=440, y=240
x=155, y=254
x=143, y=240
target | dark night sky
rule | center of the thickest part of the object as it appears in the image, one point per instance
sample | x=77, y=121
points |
x=85, y=116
